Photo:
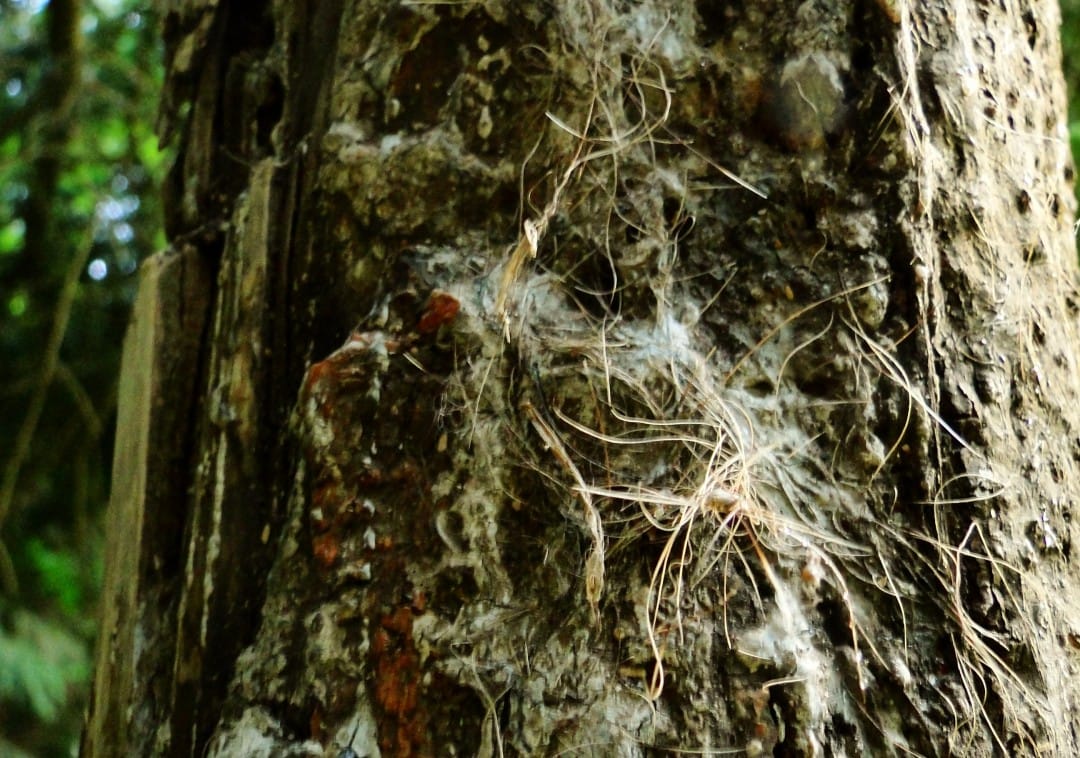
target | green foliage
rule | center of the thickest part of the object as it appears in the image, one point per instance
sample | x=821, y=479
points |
x=40, y=662
x=80, y=168
x=11, y=236
x=1070, y=48
x=58, y=575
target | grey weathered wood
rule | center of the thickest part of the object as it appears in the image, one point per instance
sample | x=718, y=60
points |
x=144, y=522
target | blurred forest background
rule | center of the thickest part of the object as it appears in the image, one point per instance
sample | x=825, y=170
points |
x=80, y=175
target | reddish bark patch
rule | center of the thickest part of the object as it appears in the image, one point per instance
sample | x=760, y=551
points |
x=326, y=549
x=315, y=724
x=402, y=724
x=441, y=308
x=324, y=506
x=315, y=374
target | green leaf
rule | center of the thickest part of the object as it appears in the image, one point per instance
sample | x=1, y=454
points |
x=112, y=138
x=18, y=303
x=58, y=573
x=39, y=661
x=149, y=155
x=11, y=236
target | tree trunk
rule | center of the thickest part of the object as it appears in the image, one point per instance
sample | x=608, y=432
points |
x=602, y=378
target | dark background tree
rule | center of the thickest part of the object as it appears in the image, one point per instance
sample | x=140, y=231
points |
x=640, y=232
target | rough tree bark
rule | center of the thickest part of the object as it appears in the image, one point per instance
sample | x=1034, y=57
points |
x=602, y=378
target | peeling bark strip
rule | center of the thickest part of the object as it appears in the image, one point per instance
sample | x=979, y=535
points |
x=146, y=509
x=229, y=500
x=684, y=377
